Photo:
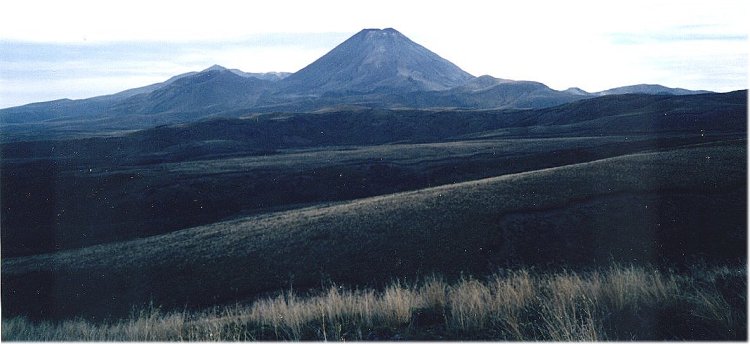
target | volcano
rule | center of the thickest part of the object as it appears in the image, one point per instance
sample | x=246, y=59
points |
x=373, y=60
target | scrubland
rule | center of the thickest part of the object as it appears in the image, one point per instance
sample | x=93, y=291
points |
x=621, y=302
x=662, y=208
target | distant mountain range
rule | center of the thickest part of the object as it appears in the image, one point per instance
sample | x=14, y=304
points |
x=638, y=89
x=373, y=69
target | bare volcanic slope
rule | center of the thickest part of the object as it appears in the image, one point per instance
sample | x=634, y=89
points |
x=376, y=59
x=211, y=90
x=373, y=69
x=652, y=207
x=183, y=98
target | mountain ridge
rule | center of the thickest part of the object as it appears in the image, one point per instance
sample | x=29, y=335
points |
x=649, y=89
x=374, y=68
x=215, y=88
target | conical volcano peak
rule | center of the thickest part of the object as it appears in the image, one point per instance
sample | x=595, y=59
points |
x=375, y=59
x=214, y=68
x=382, y=32
x=382, y=35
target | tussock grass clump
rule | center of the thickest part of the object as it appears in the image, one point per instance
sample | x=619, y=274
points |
x=618, y=303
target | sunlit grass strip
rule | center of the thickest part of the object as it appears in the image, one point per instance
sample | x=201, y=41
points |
x=608, y=304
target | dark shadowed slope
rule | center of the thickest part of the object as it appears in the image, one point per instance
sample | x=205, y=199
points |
x=121, y=178
x=670, y=206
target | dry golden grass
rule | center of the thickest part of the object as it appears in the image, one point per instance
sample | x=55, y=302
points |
x=609, y=304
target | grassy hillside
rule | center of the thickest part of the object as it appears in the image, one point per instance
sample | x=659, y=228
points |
x=662, y=207
x=174, y=177
x=141, y=195
x=618, y=303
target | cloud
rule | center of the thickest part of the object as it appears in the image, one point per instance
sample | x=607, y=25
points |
x=590, y=44
x=627, y=38
x=32, y=72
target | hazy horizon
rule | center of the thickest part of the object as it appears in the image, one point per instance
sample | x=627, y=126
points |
x=81, y=49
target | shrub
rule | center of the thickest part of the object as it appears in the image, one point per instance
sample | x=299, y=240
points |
x=618, y=303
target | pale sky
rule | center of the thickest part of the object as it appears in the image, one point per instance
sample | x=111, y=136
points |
x=79, y=49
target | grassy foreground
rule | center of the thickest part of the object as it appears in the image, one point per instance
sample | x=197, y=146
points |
x=617, y=303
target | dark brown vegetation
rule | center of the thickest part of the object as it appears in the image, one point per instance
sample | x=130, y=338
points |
x=665, y=208
x=175, y=177
x=52, y=200
x=225, y=213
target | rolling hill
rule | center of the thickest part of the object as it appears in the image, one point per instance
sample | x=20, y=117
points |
x=140, y=184
x=379, y=161
x=650, y=207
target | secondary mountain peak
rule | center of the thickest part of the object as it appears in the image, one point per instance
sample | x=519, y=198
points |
x=377, y=59
x=576, y=91
x=213, y=89
x=214, y=68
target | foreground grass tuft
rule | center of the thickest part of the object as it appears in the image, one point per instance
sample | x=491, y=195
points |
x=618, y=303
